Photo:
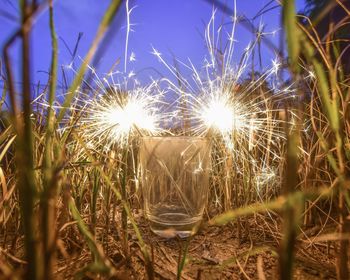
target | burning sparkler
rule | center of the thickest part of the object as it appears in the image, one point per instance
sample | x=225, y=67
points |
x=116, y=108
x=116, y=116
x=241, y=115
x=218, y=102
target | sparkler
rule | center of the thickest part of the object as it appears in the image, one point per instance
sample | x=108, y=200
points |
x=118, y=111
x=242, y=116
x=219, y=102
x=115, y=116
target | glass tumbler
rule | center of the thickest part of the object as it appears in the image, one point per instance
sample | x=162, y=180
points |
x=175, y=183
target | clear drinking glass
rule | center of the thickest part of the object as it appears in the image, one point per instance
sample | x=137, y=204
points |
x=175, y=182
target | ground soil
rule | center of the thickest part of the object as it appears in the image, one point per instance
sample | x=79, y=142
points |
x=214, y=253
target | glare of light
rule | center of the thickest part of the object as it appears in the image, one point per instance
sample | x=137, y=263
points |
x=275, y=66
x=132, y=57
x=139, y=116
x=116, y=117
x=265, y=176
x=119, y=121
x=124, y=118
x=216, y=102
x=220, y=115
x=311, y=75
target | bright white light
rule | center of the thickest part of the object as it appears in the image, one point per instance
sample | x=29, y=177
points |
x=220, y=101
x=116, y=116
x=139, y=116
x=220, y=115
x=122, y=119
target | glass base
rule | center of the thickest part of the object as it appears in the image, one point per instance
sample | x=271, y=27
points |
x=170, y=225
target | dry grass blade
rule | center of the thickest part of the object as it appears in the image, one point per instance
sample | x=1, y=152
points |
x=101, y=264
x=274, y=205
x=105, y=23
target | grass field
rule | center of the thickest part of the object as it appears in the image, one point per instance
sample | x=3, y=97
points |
x=278, y=204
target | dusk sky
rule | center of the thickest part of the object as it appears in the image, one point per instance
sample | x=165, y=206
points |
x=172, y=27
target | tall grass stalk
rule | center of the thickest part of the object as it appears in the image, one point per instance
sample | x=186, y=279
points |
x=24, y=150
x=292, y=212
x=50, y=178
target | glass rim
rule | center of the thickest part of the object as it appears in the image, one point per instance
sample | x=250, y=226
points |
x=169, y=137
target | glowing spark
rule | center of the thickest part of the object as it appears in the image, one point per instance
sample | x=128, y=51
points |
x=216, y=102
x=311, y=75
x=156, y=53
x=128, y=12
x=123, y=118
x=131, y=74
x=114, y=113
x=220, y=115
x=132, y=57
x=115, y=117
x=265, y=177
x=275, y=66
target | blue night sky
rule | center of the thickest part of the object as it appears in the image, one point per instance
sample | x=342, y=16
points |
x=174, y=27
